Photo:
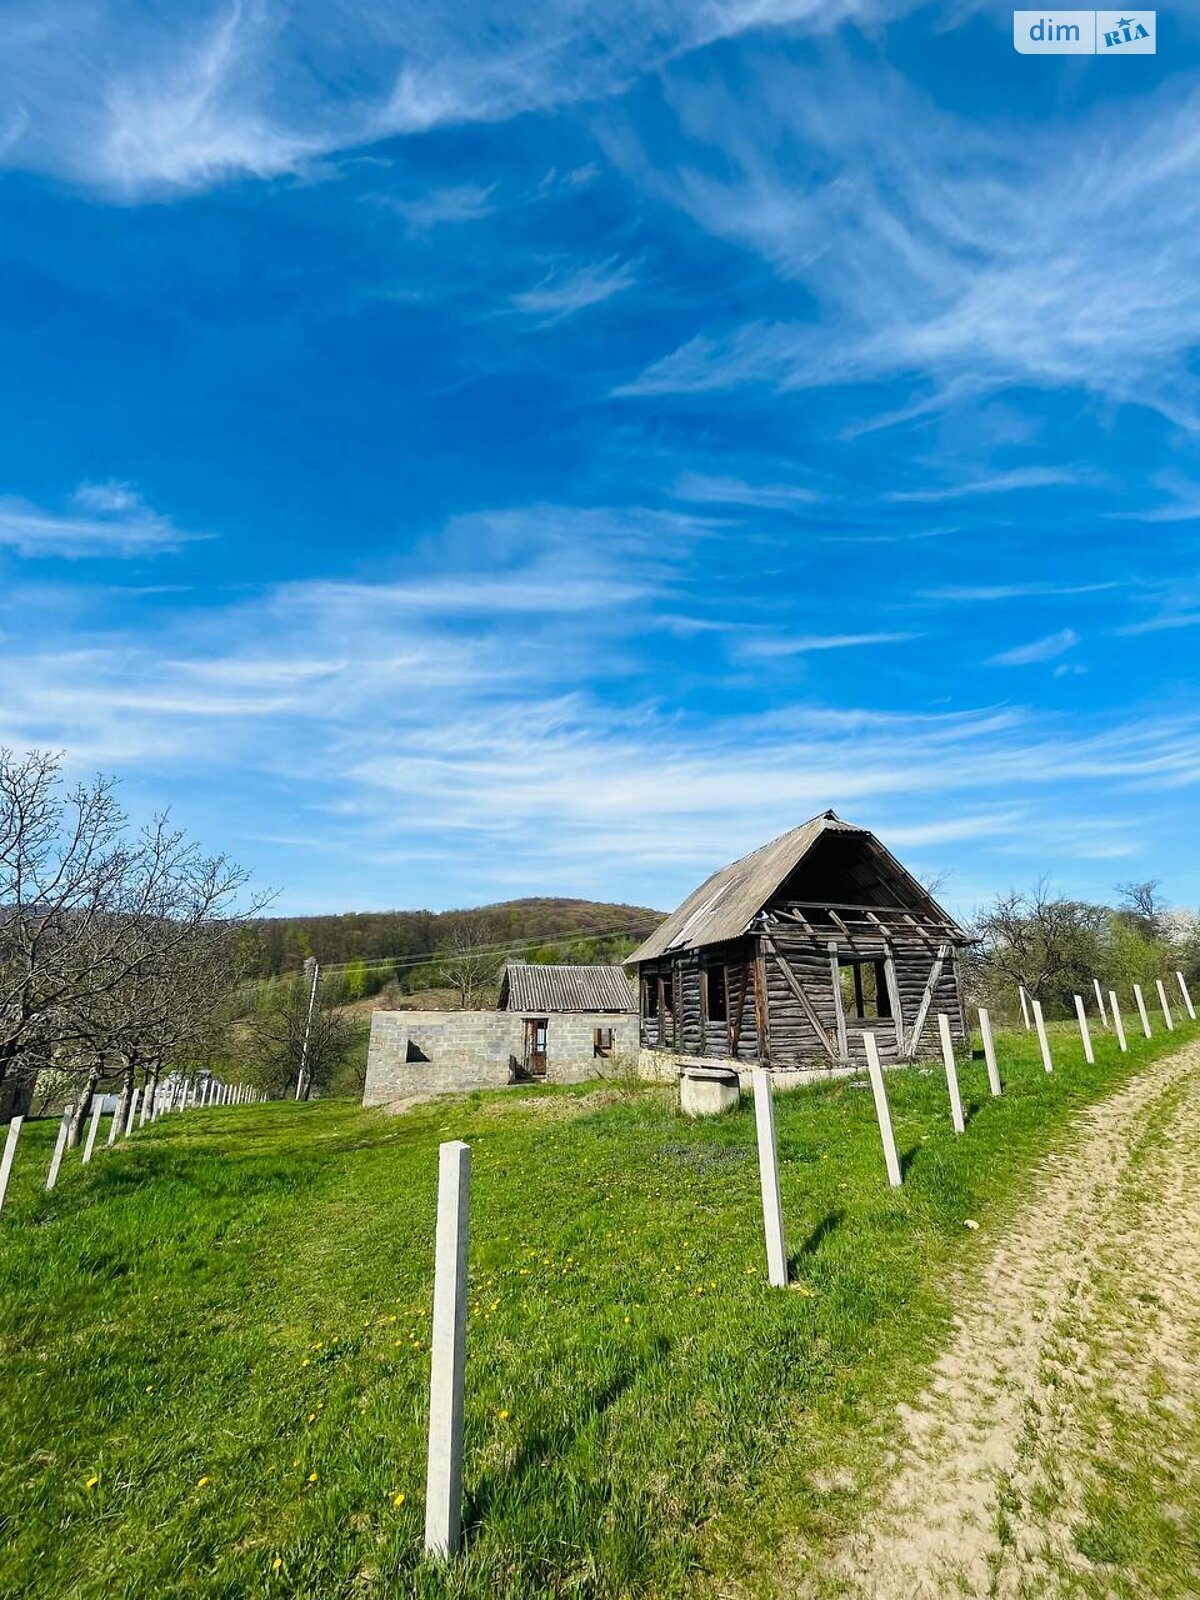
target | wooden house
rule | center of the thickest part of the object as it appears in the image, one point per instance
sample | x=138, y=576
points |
x=788, y=956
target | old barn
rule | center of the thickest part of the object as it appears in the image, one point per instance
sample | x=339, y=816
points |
x=791, y=954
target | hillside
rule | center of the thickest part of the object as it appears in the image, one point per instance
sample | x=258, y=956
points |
x=552, y=929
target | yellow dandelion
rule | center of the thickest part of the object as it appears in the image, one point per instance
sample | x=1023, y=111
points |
x=296, y=1463
x=306, y=1362
x=276, y=1564
x=149, y=1388
x=91, y=1483
x=399, y=1498
x=312, y=1477
x=503, y=1415
x=312, y=1416
x=200, y=1482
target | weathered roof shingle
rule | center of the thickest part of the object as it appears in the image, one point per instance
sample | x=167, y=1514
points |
x=542, y=989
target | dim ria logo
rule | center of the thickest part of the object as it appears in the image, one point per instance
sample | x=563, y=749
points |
x=1084, y=33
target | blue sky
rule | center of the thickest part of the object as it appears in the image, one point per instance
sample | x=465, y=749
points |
x=458, y=452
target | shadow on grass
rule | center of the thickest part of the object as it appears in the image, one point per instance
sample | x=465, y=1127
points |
x=828, y=1223
x=908, y=1160
x=540, y=1447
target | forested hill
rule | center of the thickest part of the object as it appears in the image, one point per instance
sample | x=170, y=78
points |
x=541, y=929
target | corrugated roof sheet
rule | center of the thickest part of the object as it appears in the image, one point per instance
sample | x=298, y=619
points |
x=725, y=904
x=542, y=989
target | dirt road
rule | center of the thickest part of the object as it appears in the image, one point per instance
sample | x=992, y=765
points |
x=1057, y=1451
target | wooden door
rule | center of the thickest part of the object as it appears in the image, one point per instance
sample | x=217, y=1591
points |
x=535, y=1046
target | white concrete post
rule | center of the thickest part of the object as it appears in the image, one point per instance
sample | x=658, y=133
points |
x=1187, y=999
x=1040, y=1023
x=1117, y=1023
x=443, y=1488
x=10, y=1151
x=956, y=1110
x=112, y=1127
x=60, y=1144
x=989, y=1051
x=768, y=1175
x=1024, y=1006
x=1100, y=1001
x=1083, y=1031
x=145, y=1106
x=882, y=1111
x=90, y=1144
x=130, y=1119
x=1141, y=1005
x=1166, y=1010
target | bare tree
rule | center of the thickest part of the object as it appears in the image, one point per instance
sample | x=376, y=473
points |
x=98, y=928
x=469, y=961
x=1050, y=947
x=1142, y=907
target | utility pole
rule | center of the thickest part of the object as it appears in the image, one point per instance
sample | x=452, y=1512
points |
x=312, y=972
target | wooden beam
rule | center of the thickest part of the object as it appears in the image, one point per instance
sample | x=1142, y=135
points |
x=893, y=989
x=935, y=973
x=806, y=1005
x=839, y=1011
x=735, y=1027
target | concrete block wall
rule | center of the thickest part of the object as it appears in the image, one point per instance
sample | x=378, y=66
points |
x=480, y=1050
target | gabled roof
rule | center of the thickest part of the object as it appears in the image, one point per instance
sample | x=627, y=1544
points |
x=542, y=989
x=725, y=905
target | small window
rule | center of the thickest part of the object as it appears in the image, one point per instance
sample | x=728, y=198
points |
x=668, y=994
x=716, y=994
x=602, y=1042
x=650, y=996
x=864, y=989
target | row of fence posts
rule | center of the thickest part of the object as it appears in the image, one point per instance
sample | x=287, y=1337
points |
x=443, y=1501
x=186, y=1095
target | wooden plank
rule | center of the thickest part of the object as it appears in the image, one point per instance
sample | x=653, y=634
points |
x=839, y=1011
x=935, y=973
x=893, y=989
x=805, y=1003
x=735, y=1027
x=762, y=1032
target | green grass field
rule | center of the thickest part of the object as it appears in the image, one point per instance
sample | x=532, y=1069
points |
x=215, y=1339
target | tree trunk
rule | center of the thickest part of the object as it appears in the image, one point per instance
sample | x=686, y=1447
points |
x=127, y=1076
x=83, y=1110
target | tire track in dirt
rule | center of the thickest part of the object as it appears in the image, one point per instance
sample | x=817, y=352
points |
x=1095, y=1290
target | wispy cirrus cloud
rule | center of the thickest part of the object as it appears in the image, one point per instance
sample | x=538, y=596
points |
x=141, y=100
x=1016, y=478
x=561, y=293
x=713, y=489
x=108, y=519
x=957, y=261
x=1037, y=650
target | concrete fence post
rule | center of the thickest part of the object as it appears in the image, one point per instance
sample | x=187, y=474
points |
x=768, y=1175
x=1024, y=1006
x=448, y=1351
x=114, y=1125
x=1166, y=1010
x=882, y=1111
x=989, y=1051
x=1141, y=1005
x=93, y=1125
x=1118, y=1025
x=60, y=1144
x=1100, y=1001
x=131, y=1118
x=956, y=1110
x=1084, y=1033
x=9, y=1156
x=1043, y=1041
x=145, y=1112
x=1186, y=997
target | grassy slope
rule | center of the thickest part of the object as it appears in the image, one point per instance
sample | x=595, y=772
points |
x=225, y=1324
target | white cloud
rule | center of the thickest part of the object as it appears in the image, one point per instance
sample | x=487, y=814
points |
x=713, y=489
x=456, y=203
x=997, y=483
x=118, y=523
x=143, y=99
x=802, y=644
x=1047, y=649
x=960, y=259
x=562, y=293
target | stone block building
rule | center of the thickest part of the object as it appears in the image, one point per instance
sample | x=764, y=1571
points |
x=554, y=1024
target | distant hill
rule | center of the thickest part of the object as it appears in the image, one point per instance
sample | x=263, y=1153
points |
x=541, y=929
